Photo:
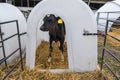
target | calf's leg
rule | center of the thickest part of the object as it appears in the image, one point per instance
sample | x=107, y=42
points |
x=61, y=49
x=50, y=52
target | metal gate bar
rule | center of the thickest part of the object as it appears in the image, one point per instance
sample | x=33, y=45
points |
x=111, y=71
x=8, y=38
x=108, y=51
x=3, y=48
x=19, y=42
x=4, y=59
x=114, y=37
x=11, y=70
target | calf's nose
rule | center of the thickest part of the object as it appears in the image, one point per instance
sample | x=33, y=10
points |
x=42, y=28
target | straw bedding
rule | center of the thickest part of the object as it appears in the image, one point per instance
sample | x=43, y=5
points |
x=42, y=54
x=56, y=63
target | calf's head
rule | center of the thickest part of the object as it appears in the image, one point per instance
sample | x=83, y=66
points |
x=49, y=22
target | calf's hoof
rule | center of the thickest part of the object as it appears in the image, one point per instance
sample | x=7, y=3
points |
x=62, y=57
x=49, y=59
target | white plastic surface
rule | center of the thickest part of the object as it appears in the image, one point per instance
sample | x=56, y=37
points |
x=7, y=13
x=82, y=50
x=113, y=6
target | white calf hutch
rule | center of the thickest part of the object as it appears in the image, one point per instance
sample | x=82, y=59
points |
x=111, y=10
x=11, y=13
x=78, y=18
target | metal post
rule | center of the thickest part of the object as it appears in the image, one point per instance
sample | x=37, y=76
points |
x=107, y=17
x=89, y=2
x=13, y=2
x=21, y=3
x=19, y=45
x=105, y=37
x=28, y=4
x=98, y=15
x=3, y=48
x=34, y=2
x=6, y=1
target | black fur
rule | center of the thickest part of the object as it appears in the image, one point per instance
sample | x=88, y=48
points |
x=56, y=31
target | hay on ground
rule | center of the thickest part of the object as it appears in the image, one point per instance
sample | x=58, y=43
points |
x=41, y=63
x=42, y=54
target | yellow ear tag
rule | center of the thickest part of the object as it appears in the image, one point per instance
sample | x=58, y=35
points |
x=60, y=21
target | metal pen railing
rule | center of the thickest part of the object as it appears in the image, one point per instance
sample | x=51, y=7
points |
x=108, y=51
x=18, y=49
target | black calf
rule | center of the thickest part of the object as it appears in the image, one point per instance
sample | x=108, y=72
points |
x=56, y=28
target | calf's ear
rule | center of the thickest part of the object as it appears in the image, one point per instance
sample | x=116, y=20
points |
x=45, y=18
